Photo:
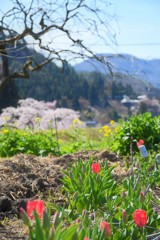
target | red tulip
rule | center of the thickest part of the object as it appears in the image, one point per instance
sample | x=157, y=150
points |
x=86, y=238
x=140, y=143
x=96, y=167
x=36, y=205
x=140, y=217
x=105, y=227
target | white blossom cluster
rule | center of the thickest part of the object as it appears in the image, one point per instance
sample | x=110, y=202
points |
x=37, y=115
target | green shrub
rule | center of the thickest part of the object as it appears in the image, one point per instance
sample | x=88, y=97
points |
x=142, y=126
x=15, y=141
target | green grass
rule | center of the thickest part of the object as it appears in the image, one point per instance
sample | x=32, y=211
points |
x=42, y=143
x=74, y=140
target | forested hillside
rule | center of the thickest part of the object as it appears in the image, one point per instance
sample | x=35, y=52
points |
x=69, y=88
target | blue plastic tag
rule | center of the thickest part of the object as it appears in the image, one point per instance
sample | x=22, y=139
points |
x=143, y=151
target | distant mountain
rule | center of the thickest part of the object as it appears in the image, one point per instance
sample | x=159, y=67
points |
x=146, y=70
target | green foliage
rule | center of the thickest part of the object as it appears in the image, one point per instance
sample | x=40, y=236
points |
x=142, y=126
x=15, y=141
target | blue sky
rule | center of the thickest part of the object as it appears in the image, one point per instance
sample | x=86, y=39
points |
x=136, y=26
x=139, y=27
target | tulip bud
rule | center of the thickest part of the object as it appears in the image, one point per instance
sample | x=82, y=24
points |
x=105, y=227
x=78, y=220
x=124, y=216
x=124, y=195
x=84, y=212
x=24, y=217
x=46, y=221
x=141, y=194
x=85, y=217
x=56, y=219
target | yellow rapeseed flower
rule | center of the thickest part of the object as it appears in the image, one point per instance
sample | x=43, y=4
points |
x=105, y=130
x=6, y=118
x=117, y=129
x=75, y=121
x=112, y=122
x=80, y=122
x=5, y=131
x=37, y=120
x=100, y=131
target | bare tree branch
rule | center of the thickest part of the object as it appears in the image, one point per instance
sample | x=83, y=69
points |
x=43, y=22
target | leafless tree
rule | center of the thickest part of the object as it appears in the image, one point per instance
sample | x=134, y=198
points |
x=55, y=27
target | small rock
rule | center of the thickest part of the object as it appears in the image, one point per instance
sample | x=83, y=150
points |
x=5, y=204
